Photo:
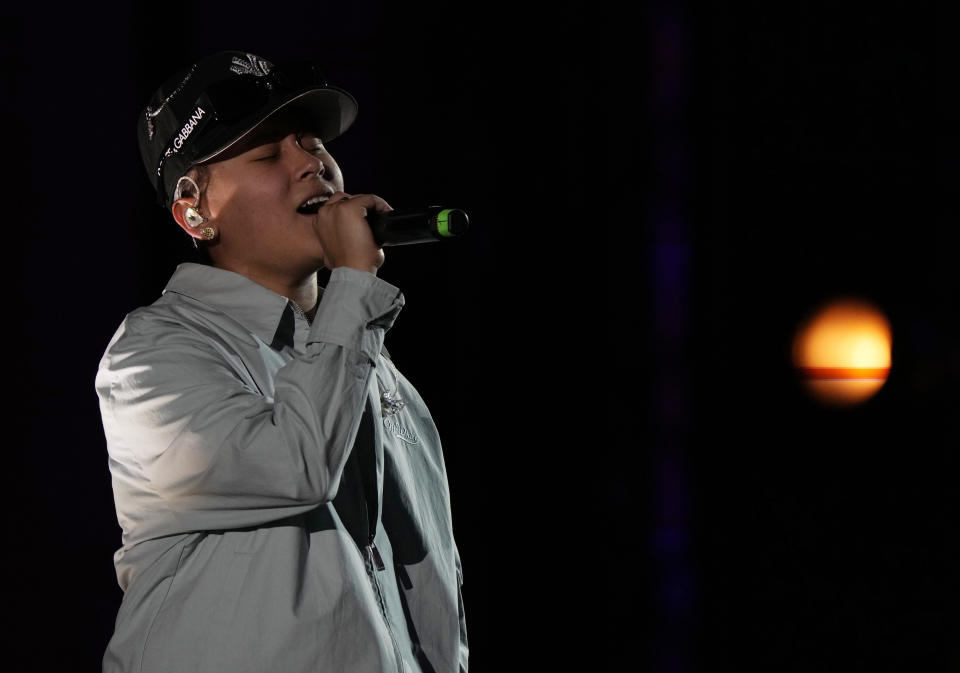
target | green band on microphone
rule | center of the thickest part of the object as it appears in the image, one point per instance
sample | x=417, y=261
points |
x=443, y=222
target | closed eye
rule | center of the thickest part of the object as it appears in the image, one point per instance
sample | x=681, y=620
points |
x=310, y=142
x=272, y=149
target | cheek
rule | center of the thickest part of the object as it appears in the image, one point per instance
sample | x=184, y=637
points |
x=334, y=175
x=253, y=204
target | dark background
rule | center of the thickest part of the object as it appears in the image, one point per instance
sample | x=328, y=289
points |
x=657, y=198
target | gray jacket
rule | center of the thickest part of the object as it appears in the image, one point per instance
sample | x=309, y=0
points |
x=280, y=486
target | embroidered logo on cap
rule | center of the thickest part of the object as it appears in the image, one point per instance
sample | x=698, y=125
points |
x=181, y=137
x=150, y=112
x=254, y=65
x=188, y=127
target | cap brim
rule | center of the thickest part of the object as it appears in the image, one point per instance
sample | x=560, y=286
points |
x=333, y=108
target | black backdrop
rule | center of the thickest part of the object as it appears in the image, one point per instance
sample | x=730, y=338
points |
x=657, y=197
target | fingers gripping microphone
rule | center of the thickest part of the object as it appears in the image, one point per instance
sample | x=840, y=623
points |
x=404, y=227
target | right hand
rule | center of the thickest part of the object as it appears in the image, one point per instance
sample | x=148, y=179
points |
x=344, y=233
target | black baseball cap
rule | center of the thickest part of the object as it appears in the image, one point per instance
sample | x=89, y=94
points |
x=206, y=107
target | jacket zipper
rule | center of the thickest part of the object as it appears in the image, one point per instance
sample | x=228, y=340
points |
x=376, y=562
x=372, y=555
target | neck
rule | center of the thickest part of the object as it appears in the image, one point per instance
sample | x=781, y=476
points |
x=304, y=295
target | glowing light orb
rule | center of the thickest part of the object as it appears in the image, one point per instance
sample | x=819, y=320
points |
x=842, y=352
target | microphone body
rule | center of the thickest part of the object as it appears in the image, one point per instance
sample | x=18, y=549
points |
x=405, y=227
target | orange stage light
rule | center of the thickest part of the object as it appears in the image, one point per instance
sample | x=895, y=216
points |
x=842, y=352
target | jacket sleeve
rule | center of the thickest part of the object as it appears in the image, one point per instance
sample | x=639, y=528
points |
x=464, y=652
x=194, y=447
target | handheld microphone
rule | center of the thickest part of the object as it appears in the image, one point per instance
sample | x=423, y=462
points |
x=404, y=227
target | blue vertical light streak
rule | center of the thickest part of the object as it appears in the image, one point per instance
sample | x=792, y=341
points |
x=670, y=250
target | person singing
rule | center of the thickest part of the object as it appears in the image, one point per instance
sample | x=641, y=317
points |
x=280, y=485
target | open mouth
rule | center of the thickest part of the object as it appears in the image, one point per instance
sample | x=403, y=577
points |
x=312, y=205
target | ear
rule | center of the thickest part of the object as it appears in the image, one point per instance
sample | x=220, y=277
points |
x=179, y=209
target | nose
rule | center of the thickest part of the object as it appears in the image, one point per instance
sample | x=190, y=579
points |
x=312, y=163
x=317, y=167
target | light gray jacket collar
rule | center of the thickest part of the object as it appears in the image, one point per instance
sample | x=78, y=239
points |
x=252, y=305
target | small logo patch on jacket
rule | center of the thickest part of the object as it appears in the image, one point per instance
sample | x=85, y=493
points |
x=392, y=424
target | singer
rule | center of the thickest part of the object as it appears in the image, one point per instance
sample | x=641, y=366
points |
x=280, y=485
